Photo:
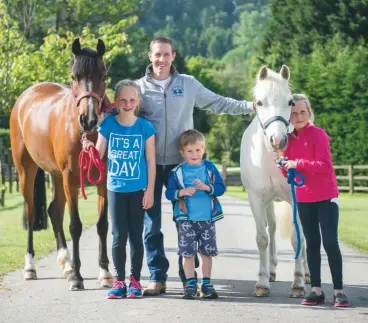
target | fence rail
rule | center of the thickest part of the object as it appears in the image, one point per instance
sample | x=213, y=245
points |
x=351, y=181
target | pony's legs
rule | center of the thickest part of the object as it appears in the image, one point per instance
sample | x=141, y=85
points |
x=298, y=287
x=105, y=276
x=272, y=246
x=27, y=169
x=56, y=212
x=71, y=185
x=260, y=218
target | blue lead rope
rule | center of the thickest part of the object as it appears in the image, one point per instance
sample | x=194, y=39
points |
x=292, y=174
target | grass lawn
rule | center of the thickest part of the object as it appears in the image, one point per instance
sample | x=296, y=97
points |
x=13, y=238
x=353, y=226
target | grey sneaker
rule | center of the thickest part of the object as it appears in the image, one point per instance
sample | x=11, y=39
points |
x=340, y=300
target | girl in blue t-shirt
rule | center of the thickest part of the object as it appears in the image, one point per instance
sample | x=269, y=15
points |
x=130, y=182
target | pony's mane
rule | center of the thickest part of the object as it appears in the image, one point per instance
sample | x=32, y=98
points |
x=273, y=83
x=85, y=64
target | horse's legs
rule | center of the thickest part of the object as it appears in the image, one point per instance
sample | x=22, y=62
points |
x=260, y=217
x=272, y=246
x=298, y=287
x=56, y=212
x=71, y=185
x=26, y=169
x=105, y=276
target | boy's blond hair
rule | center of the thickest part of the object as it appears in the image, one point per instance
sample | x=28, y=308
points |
x=190, y=137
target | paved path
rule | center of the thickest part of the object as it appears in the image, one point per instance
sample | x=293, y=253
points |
x=235, y=270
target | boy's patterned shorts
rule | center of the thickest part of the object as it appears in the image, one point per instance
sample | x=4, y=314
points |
x=201, y=233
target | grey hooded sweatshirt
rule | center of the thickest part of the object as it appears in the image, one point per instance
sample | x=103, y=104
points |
x=170, y=110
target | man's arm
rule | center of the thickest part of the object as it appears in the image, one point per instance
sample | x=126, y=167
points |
x=208, y=100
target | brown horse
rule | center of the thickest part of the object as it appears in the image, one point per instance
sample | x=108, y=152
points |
x=46, y=125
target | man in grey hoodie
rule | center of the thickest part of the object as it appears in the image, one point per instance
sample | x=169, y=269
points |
x=168, y=100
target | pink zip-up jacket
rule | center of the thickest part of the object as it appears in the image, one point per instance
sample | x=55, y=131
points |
x=310, y=148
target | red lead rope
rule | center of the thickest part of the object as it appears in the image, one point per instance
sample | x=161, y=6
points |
x=86, y=161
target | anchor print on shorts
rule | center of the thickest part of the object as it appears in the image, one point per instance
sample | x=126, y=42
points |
x=197, y=236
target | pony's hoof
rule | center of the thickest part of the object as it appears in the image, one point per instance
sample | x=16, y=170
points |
x=262, y=292
x=106, y=283
x=76, y=285
x=272, y=277
x=297, y=292
x=307, y=279
x=30, y=275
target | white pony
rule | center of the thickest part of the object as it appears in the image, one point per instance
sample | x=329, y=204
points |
x=262, y=141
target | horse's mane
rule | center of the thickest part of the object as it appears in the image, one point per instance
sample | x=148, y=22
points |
x=85, y=63
x=273, y=83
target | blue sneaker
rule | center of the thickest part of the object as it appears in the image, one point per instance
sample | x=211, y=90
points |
x=208, y=291
x=190, y=291
x=117, y=291
x=134, y=289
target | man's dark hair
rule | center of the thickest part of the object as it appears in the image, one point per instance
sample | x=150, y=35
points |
x=163, y=40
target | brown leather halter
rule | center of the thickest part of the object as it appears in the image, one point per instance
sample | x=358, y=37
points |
x=89, y=94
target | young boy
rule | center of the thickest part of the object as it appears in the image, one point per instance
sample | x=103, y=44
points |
x=194, y=186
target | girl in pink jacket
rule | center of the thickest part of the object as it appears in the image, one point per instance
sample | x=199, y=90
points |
x=309, y=153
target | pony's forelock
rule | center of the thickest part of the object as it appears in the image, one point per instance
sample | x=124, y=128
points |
x=273, y=83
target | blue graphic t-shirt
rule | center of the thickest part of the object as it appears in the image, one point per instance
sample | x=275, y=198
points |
x=127, y=168
x=200, y=204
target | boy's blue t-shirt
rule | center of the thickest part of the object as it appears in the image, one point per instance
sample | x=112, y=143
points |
x=127, y=168
x=200, y=204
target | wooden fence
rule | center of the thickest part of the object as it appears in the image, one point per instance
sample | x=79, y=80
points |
x=350, y=178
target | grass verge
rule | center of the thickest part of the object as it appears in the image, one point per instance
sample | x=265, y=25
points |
x=13, y=238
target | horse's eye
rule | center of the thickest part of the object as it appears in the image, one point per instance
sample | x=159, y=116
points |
x=105, y=78
x=73, y=77
x=292, y=103
x=259, y=103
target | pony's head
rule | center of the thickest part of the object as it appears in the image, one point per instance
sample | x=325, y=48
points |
x=274, y=101
x=88, y=73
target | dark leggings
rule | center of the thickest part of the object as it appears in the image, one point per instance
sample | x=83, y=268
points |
x=127, y=215
x=324, y=215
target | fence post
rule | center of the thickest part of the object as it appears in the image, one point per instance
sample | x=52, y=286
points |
x=8, y=161
x=351, y=179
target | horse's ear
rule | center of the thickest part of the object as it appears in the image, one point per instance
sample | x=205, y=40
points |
x=100, y=48
x=76, y=47
x=285, y=72
x=263, y=72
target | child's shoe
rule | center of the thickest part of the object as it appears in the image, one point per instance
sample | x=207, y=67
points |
x=190, y=291
x=340, y=300
x=208, y=291
x=118, y=290
x=134, y=289
x=314, y=299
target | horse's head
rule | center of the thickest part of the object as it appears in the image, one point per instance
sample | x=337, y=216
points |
x=274, y=101
x=88, y=73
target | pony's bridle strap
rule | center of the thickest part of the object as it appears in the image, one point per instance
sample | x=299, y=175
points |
x=270, y=120
x=273, y=119
x=89, y=94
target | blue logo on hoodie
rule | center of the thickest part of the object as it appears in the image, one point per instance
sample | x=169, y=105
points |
x=177, y=91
